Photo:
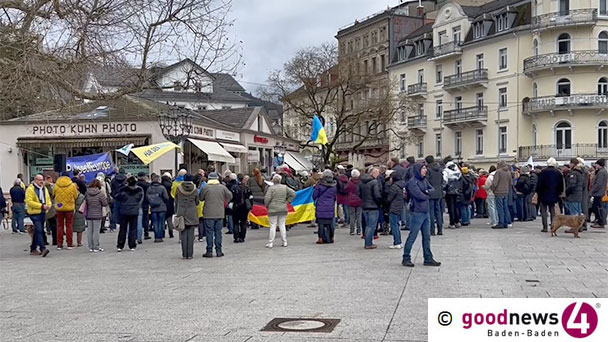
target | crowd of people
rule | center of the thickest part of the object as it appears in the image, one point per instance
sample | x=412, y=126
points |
x=380, y=200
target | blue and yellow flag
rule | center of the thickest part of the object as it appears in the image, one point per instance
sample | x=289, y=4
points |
x=301, y=209
x=318, y=135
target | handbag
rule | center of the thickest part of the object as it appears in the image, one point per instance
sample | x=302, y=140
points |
x=534, y=199
x=178, y=223
x=83, y=208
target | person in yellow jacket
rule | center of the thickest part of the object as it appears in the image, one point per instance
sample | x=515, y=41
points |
x=65, y=194
x=38, y=203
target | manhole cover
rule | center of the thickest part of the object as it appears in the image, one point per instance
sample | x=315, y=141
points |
x=325, y=325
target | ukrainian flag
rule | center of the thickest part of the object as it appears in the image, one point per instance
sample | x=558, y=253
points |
x=318, y=135
x=301, y=209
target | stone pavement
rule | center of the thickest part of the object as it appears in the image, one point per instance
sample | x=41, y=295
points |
x=154, y=295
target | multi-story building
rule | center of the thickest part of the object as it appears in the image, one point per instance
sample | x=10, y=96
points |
x=507, y=80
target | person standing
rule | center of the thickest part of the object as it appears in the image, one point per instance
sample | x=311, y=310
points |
x=369, y=191
x=79, y=225
x=186, y=203
x=598, y=191
x=157, y=199
x=550, y=186
x=129, y=201
x=106, y=191
x=325, y=195
x=215, y=196
x=241, y=204
x=80, y=185
x=18, y=207
x=533, y=182
x=418, y=189
x=434, y=175
x=395, y=196
x=464, y=197
x=481, y=195
x=522, y=190
x=575, y=183
x=118, y=182
x=170, y=204
x=453, y=180
x=501, y=184
x=37, y=202
x=51, y=215
x=354, y=202
x=96, y=202
x=491, y=200
x=276, y=199
x=65, y=194
x=342, y=181
x=230, y=181
x=143, y=217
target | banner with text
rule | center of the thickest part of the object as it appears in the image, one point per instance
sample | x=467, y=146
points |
x=90, y=165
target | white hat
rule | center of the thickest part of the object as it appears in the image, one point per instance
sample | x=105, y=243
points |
x=167, y=174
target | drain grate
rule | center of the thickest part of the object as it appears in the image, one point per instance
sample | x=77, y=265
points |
x=322, y=325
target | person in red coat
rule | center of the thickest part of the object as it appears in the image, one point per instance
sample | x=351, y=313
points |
x=354, y=203
x=481, y=195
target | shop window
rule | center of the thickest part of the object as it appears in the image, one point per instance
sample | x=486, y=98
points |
x=563, y=87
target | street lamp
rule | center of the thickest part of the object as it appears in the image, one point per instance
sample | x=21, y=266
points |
x=175, y=126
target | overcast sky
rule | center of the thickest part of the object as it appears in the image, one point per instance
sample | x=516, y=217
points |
x=273, y=30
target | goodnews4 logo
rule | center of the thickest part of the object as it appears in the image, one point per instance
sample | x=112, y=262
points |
x=513, y=319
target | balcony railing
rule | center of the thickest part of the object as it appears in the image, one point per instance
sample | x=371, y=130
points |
x=557, y=60
x=574, y=101
x=584, y=16
x=445, y=50
x=416, y=89
x=543, y=152
x=416, y=121
x=368, y=143
x=463, y=115
x=464, y=79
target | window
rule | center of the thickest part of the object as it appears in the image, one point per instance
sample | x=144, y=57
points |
x=357, y=44
x=420, y=149
x=383, y=33
x=438, y=145
x=366, y=40
x=563, y=87
x=402, y=82
x=374, y=66
x=420, y=76
x=458, y=102
x=479, y=142
x=479, y=61
x=177, y=86
x=365, y=67
x=458, y=143
x=501, y=22
x=502, y=98
x=438, y=109
x=478, y=31
x=402, y=151
x=602, y=135
x=420, y=48
x=456, y=34
x=382, y=63
x=458, y=66
x=603, y=9
x=502, y=141
x=563, y=43
x=602, y=86
x=374, y=37
x=421, y=110
x=602, y=43
x=403, y=116
x=438, y=74
x=479, y=100
x=563, y=136
x=443, y=37
x=534, y=131
x=535, y=47
x=534, y=90
x=502, y=59
x=564, y=7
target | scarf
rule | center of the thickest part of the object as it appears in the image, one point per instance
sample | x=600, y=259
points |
x=41, y=194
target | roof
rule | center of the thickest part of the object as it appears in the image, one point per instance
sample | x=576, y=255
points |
x=475, y=11
x=113, y=76
x=426, y=28
x=226, y=81
x=219, y=95
x=274, y=110
x=235, y=117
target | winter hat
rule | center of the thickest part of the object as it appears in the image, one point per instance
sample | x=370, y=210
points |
x=552, y=162
x=465, y=170
x=524, y=169
x=355, y=173
x=429, y=160
x=328, y=174
x=601, y=162
x=167, y=174
x=141, y=174
x=213, y=175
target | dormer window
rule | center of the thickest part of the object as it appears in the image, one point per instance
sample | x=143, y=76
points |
x=198, y=87
x=478, y=31
x=177, y=86
x=419, y=48
x=502, y=22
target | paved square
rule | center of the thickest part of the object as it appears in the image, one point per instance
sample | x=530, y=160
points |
x=154, y=295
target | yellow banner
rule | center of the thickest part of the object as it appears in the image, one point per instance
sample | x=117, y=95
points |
x=149, y=153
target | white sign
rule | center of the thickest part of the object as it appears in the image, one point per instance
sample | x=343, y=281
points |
x=204, y=132
x=45, y=130
x=226, y=135
x=517, y=319
x=253, y=156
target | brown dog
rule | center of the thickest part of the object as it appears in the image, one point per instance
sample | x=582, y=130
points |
x=572, y=221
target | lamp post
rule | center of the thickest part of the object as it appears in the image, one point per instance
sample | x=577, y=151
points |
x=175, y=125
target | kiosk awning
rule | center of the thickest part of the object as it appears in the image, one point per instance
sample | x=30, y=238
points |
x=298, y=162
x=236, y=148
x=214, y=151
x=100, y=141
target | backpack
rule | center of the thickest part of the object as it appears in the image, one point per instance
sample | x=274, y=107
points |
x=154, y=200
x=341, y=188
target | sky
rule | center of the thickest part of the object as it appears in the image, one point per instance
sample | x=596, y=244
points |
x=273, y=30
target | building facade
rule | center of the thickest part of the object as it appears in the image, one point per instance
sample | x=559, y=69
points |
x=506, y=80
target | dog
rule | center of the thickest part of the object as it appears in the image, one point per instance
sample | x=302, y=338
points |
x=573, y=221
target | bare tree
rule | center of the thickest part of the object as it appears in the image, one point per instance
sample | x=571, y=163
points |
x=315, y=82
x=47, y=47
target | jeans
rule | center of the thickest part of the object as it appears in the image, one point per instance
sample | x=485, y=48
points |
x=18, y=216
x=531, y=207
x=127, y=222
x=420, y=222
x=38, y=239
x=451, y=201
x=371, y=221
x=522, y=207
x=405, y=214
x=115, y=217
x=186, y=238
x=491, y=200
x=435, y=215
x=143, y=223
x=573, y=208
x=65, y=219
x=325, y=232
x=502, y=209
x=480, y=205
x=543, y=213
x=395, y=229
x=213, y=232
x=51, y=226
x=274, y=221
x=599, y=208
x=465, y=213
x=346, y=213
x=355, y=219
x=93, y=227
x=158, y=222
x=229, y=224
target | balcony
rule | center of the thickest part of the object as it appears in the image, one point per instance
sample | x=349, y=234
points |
x=551, y=61
x=369, y=143
x=465, y=80
x=446, y=50
x=577, y=17
x=417, y=90
x=417, y=124
x=544, y=152
x=466, y=117
x=567, y=103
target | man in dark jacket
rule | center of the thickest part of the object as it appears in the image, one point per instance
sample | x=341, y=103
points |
x=598, y=190
x=368, y=190
x=118, y=182
x=398, y=168
x=395, y=199
x=18, y=201
x=418, y=190
x=434, y=175
x=157, y=196
x=82, y=187
x=550, y=186
x=465, y=196
x=167, y=182
x=129, y=200
x=143, y=219
x=575, y=182
x=533, y=182
x=522, y=190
